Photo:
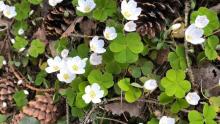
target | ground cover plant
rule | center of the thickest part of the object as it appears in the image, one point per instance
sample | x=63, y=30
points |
x=109, y=62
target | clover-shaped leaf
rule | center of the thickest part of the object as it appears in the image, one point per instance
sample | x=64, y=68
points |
x=208, y=115
x=20, y=43
x=211, y=15
x=105, y=80
x=104, y=9
x=20, y=98
x=37, y=48
x=127, y=47
x=22, y=10
x=177, y=59
x=178, y=105
x=210, y=47
x=174, y=83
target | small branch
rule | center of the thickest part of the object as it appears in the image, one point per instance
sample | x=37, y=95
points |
x=67, y=113
x=190, y=72
x=89, y=114
x=83, y=36
x=110, y=119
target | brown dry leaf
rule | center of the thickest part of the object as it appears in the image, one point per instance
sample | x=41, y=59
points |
x=162, y=56
x=134, y=109
x=208, y=76
x=87, y=26
x=40, y=34
x=71, y=28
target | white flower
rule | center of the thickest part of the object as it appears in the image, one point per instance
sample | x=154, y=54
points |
x=54, y=2
x=86, y=6
x=192, y=98
x=66, y=76
x=26, y=92
x=110, y=33
x=93, y=93
x=201, y=21
x=54, y=64
x=150, y=84
x=4, y=62
x=194, y=35
x=20, y=82
x=64, y=53
x=76, y=65
x=130, y=26
x=167, y=120
x=4, y=104
x=21, y=31
x=9, y=11
x=96, y=45
x=176, y=26
x=2, y=6
x=95, y=59
x=130, y=10
x=22, y=49
x=12, y=41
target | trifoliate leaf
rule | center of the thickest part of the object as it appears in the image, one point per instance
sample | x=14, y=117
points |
x=104, y=9
x=37, y=48
x=147, y=68
x=20, y=98
x=20, y=43
x=174, y=83
x=195, y=117
x=177, y=59
x=164, y=99
x=209, y=112
x=212, y=17
x=124, y=84
x=29, y=120
x=22, y=10
x=105, y=80
x=210, y=47
x=79, y=101
x=132, y=94
x=61, y=44
x=178, y=105
x=126, y=48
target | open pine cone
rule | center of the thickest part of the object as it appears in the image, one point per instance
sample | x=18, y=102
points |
x=42, y=108
x=7, y=89
x=59, y=19
x=154, y=15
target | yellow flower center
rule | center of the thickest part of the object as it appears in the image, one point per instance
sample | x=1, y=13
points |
x=56, y=68
x=189, y=38
x=66, y=76
x=107, y=34
x=8, y=13
x=92, y=94
x=75, y=67
x=93, y=47
x=87, y=8
x=127, y=14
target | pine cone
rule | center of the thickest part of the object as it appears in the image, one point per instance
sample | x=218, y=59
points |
x=42, y=108
x=7, y=89
x=154, y=15
x=59, y=19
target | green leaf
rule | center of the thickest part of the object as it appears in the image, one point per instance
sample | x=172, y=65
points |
x=40, y=78
x=37, y=48
x=174, y=83
x=104, y=9
x=79, y=101
x=211, y=15
x=20, y=43
x=22, y=10
x=3, y=118
x=132, y=94
x=20, y=98
x=83, y=50
x=210, y=47
x=178, y=105
x=153, y=121
x=35, y=2
x=127, y=47
x=177, y=59
x=61, y=44
x=195, y=117
x=29, y=120
x=1, y=61
x=113, y=67
x=77, y=112
x=124, y=84
x=147, y=68
x=19, y=25
x=164, y=99
x=209, y=112
x=135, y=71
x=70, y=96
x=215, y=101
x=105, y=80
